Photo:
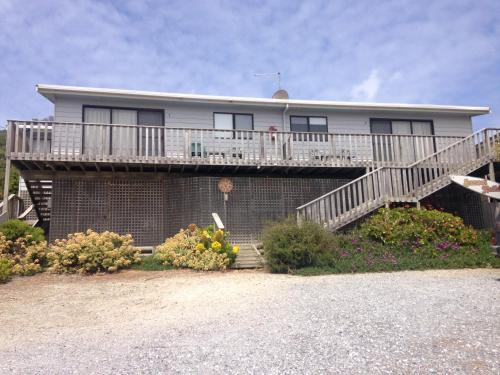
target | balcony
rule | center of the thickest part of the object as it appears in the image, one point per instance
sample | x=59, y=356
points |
x=79, y=146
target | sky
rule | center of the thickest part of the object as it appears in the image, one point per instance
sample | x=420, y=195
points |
x=438, y=52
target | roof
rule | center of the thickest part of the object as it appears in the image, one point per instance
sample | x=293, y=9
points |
x=51, y=91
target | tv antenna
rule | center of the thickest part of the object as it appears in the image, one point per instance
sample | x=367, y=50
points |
x=277, y=75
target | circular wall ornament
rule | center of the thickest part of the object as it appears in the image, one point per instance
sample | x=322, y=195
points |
x=225, y=185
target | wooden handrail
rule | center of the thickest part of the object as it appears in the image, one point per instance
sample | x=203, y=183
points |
x=81, y=142
x=401, y=184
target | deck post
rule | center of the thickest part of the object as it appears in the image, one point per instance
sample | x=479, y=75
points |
x=418, y=205
x=491, y=171
x=6, y=186
x=7, y=169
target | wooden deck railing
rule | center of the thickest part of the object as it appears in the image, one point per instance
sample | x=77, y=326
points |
x=401, y=184
x=57, y=141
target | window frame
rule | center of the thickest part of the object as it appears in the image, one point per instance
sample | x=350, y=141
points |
x=233, y=115
x=411, y=121
x=308, y=117
x=136, y=109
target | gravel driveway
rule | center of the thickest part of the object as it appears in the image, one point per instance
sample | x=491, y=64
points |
x=252, y=322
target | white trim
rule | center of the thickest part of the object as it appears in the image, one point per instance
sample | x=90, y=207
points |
x=50, y=91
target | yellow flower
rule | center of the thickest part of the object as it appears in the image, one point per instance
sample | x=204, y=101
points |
x=216, y=245
x=200, y=247
x=236, y=249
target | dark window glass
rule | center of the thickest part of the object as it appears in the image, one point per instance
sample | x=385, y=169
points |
x=151, y=118
x=381, y=126
x=243, y=122
x=318, y=125
x=298, y=124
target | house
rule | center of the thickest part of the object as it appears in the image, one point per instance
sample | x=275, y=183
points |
x=149, y=163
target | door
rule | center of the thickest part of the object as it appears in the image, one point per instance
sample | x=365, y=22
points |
x=381, y=141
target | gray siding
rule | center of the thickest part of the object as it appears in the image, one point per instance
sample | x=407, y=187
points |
x=193, y=115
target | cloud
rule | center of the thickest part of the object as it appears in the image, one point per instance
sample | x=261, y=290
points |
x=442, y=52
x=368, y=89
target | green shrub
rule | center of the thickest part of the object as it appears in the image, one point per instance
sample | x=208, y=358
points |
x=92, y=252
x=14, y=229
x=5, y=269
x=389, y=241
x=414, y=227
x=288, y=245
x=197, y=248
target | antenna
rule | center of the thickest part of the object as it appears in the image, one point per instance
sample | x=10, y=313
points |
x=277, y=74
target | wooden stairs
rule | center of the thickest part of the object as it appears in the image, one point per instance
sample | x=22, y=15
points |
x=248, y=257
x=384, y=185
x=40, y=192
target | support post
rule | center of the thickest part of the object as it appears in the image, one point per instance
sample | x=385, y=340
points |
x=6, y=186
x=418, y=205
x=7, y=170
x=491, y=171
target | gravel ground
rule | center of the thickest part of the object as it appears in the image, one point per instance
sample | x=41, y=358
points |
x=252, y=322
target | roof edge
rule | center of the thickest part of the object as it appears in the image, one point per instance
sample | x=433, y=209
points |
x=49, y=92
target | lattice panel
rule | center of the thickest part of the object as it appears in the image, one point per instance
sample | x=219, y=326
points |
x=120, y=205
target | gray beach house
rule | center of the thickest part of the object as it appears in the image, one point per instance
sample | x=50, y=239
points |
x=149, y=163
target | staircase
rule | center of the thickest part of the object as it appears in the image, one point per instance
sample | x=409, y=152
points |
x=248, y=257
x=40, y=192
x=381, y=186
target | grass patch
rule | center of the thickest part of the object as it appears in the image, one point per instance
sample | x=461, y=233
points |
x=150, y=263
x=484, y=258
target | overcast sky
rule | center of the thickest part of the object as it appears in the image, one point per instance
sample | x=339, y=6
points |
x=440, y=52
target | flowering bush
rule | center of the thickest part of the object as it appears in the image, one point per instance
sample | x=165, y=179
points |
x=413, y=227
x=25, y=256
x=197, y=248
x=310, y=249
x=92, y=252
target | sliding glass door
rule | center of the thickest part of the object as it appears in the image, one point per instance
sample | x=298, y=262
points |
x=125, y=140
x=405, y=148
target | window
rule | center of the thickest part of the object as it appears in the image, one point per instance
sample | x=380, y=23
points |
x=406, y=127
x=310, y=124
x=233, y=121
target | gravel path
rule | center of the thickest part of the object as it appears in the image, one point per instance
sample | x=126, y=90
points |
x=252, y=322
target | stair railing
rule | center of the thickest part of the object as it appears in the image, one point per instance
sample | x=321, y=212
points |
x=401, y=184
x=15, y=205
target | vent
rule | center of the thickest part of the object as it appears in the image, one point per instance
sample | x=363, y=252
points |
x=281, y=94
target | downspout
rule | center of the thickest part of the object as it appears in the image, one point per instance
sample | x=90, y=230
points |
x=284, y=118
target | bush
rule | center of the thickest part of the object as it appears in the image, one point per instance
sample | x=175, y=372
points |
x=92, y=252
x=398, y=239
x=288, y=246
x=25, y=256
x=414, y=227
x=197, y=248
x=14, y=229
x=5, y=270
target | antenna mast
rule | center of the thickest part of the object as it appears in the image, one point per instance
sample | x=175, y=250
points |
x=277, y=75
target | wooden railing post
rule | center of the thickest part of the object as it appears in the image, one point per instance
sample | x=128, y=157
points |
x=7, y=169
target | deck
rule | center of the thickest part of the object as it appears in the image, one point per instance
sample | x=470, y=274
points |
x=40, y=145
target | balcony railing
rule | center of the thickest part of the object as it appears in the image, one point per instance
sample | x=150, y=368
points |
x=79, y=142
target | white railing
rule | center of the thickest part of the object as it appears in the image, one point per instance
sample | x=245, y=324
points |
x=48, y=141
x=401, y=184
x=15, y=206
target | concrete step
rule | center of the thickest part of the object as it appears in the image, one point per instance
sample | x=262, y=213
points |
x=248, y=258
